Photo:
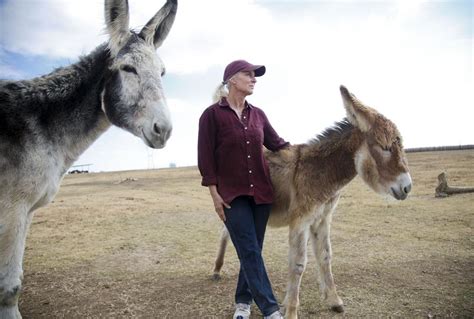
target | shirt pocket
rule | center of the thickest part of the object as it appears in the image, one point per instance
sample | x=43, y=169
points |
x=255, y=133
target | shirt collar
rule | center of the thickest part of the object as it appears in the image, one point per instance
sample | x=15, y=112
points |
x=223, y=102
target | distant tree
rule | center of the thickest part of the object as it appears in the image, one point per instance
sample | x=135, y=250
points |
x=439, y=148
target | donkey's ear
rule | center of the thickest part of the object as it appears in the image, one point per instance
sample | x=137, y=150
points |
x=117, y=20
x=156, y=30
x=359, y=115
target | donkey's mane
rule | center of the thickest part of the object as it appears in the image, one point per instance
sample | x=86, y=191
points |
x=54, y=98
x=334, y=134
x=63, y=83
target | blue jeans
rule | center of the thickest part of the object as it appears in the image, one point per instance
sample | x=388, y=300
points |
x=246, y=223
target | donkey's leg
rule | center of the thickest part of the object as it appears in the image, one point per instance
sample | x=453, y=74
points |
x=14, y=225
x=298, y=241
x=320, y=234
x=221, y=253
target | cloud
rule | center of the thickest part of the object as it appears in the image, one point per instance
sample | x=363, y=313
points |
x=55, y=28
x=210, y=33
x=65, y=29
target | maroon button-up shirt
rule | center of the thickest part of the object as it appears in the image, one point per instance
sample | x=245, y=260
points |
x=230, y=151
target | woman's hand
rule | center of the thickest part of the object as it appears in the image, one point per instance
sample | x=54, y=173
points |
x=219, y=203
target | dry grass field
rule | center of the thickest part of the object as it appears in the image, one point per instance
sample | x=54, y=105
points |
x=141, y=244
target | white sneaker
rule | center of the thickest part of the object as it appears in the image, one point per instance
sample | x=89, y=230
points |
x=275, y=315
x=242, y=311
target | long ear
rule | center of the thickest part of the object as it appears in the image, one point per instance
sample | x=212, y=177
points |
x=117, y=20
x=156, y=30
x=358, y=114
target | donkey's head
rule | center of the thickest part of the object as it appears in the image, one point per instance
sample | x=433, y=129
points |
x=133, y=97
x=380, y=160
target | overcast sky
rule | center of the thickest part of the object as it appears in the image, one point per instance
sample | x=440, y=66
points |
x=411, y=60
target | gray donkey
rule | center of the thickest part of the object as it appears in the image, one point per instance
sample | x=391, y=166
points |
x=47, y=122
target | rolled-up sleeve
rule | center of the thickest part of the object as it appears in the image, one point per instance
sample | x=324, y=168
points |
x=271, y=139
x=206, y=149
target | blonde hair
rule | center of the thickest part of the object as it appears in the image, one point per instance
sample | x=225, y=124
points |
x=221, y=91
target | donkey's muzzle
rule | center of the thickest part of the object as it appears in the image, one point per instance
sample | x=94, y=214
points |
x=158, y=136
x=162, y=134
x=403, y=186
x=401, y=193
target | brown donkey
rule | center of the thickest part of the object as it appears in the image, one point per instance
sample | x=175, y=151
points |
x=308, y=179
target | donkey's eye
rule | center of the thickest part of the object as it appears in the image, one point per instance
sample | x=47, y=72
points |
x=398, y=141
x=129, y=69
x=387, y=148
x=163, y=72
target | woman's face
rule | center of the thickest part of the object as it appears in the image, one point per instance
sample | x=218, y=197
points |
x=244, y=81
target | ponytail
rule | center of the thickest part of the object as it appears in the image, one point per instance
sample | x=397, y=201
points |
x=220, y=92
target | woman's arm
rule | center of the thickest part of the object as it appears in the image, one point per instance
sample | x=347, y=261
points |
x=206, y=149
x=207, y=161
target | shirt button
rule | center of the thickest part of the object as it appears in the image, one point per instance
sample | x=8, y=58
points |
x=245, y=128
x=248, y=156
x=250, y=171
x=251, y=185
x=245, y=117
x=248, y=142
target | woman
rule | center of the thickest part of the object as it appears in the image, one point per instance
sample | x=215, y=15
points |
x=232, y=165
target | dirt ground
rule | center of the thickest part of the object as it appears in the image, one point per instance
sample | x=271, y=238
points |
x=141, y=244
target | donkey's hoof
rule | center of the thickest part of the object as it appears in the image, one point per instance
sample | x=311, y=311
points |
x=216, y=277
x=338, y=308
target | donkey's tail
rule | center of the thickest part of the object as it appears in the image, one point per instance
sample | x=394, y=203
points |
x=220, y=254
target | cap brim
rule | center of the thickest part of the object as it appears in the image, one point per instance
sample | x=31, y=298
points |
x=258, y=69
